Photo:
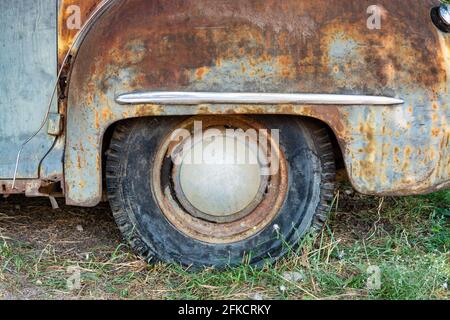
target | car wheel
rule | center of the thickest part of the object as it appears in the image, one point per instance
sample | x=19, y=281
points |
x=219, y=190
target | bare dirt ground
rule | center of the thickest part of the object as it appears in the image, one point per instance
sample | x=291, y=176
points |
x=38, y=246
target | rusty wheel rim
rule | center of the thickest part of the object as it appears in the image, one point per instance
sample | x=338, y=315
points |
x=231, y=227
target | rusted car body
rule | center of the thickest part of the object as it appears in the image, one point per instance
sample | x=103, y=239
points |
x=256, y=46
x=234, y=46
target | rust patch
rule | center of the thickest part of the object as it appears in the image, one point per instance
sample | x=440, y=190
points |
x=201, y=72
x=65, y=35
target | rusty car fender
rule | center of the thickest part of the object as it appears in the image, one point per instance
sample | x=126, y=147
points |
x=287, y=46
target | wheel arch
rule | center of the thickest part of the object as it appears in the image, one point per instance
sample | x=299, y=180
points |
x=337, y=148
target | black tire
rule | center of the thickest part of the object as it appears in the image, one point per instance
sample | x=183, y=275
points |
x=311, y=175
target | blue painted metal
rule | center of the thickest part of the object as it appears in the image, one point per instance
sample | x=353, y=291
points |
x=28, y=62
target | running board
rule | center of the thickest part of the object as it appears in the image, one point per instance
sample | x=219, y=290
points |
x=194, y=98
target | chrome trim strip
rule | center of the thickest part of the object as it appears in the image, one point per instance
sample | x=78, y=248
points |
x=194, y=98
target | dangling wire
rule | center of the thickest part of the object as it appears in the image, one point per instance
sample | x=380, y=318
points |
x=47, y=114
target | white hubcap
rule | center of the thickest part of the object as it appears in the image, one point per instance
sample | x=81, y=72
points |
x=221, y=175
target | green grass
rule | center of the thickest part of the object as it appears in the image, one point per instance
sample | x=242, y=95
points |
x=407, y=238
